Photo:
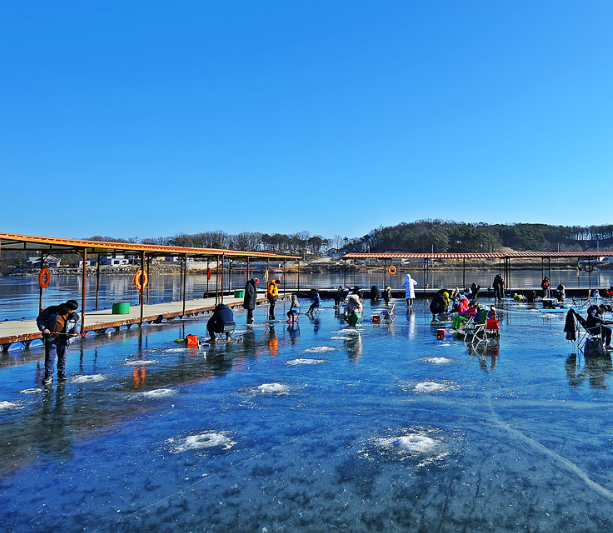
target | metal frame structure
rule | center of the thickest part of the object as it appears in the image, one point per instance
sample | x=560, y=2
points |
x=57, y=245
x=506, y=257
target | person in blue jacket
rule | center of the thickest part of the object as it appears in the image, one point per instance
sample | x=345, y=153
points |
x=60, y=326
x=316, y=303
x=222, y=315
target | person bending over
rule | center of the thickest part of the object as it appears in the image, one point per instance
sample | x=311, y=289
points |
x=294, y=309
x=221, y=317
x=60, y=325
x=353, y=310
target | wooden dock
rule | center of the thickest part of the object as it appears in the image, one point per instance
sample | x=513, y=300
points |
x=19, y=334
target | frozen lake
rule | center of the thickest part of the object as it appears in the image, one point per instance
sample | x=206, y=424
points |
x=311, y=428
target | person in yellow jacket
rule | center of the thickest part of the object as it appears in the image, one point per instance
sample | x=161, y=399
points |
x=272, y=295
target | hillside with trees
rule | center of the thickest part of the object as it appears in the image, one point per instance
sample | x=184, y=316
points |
x=422, y=236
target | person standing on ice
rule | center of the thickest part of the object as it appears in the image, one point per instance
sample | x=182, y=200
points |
x=409, y=285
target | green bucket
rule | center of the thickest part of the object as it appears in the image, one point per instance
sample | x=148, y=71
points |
x=121, y=308
x=239, y=294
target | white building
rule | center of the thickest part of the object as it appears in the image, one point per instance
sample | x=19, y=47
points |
x=115, y=260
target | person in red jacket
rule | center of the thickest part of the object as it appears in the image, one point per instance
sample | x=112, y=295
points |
x=545, y=286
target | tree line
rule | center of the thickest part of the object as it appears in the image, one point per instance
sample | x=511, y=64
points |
x=422, y=236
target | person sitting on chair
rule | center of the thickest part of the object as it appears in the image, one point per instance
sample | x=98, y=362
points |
x=463, y=305
x=472, y=310
x=595, y=324
x=316, y=303
x=221, y=317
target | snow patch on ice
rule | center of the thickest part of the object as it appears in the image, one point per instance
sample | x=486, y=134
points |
x=276, y=388
x=159, y=393
x=413, y=442
x=5, y=406
x=208, y=440
x=430, y=386
x=437, y=360
x=320, y=349
x=296, y=362
x=95, y=378
x=139, y=362
x=31, y=391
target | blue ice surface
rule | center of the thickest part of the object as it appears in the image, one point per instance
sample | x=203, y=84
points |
x=312, y=427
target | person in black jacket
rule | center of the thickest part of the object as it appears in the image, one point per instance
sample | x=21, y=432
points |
x=596, y=324
x=221, y=317
x=498, y=287
x=375, y=294
x=250, y=300
x=439, y=303
x=60, y=325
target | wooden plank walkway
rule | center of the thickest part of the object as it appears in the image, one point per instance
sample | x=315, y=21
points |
x=18, y=332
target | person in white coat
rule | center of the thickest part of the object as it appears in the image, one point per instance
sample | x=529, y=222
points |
x=409, y=285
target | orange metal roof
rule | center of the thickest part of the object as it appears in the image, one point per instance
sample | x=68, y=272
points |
x=14, y=241
x=492, y=255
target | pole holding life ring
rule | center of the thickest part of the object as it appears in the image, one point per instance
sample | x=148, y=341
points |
x=43, y=278
x=209, y=273
x=392, y=270
x=140, y=280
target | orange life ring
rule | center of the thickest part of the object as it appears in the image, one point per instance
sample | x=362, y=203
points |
x=43, y=278
x=140, y=280
x=209, y=272
x=392, y=270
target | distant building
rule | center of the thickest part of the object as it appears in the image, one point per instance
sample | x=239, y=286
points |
x=88, y=263
x=115, y=260
x=50, y=261
x=192, y=264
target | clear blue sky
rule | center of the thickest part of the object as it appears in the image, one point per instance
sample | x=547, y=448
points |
x=154, y=118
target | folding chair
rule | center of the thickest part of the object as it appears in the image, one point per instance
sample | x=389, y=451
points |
x=475, y=329
x=588, y=342
x=389, y=315
x=226, y=334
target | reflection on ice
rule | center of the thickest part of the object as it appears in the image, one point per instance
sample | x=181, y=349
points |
x=394, y=432
x=296, y=362
x=207, y=440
